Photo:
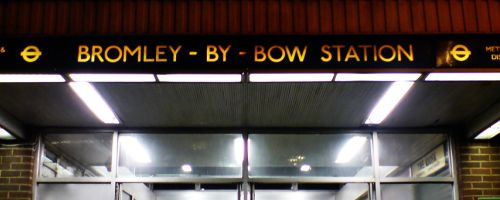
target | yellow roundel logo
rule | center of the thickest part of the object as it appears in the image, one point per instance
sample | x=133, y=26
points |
x=31, y=53
x=460, y=52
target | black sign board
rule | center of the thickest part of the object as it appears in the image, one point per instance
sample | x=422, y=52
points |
x=240, y=53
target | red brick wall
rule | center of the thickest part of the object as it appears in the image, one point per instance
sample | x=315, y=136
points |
x=479, y=170
x=16, y=172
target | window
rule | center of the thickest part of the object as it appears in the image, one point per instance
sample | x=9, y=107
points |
x=418, y=155
x=421, y=191
x=348, y=191
x=180, y=155
x=75, y=191
x=302, y=165
x=306, y=155
x=76, y=155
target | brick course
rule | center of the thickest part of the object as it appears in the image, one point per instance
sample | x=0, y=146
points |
x=479, y=173
x=16, y=172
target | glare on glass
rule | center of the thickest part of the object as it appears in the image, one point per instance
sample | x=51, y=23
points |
x=316, y=155
x=164, y=155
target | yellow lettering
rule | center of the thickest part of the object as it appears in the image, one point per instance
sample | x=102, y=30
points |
x=127, y=51
x=175, y=52
x=118, y=57
x=408, y=55
x=275, y=60
x=160, y=50
x=365, y=51
x=224, y=52
x=96, y=52
x=212, y=55
x=83, y=53
x=259, y=54
x=328, y=55
x=489, y=49
x=338, y=47
x=145, y=55
x=351, y=53
x=495, y=57
x=387, y=59
x=296, y=51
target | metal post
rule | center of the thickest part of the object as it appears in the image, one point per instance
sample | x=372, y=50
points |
x=376, y=166
x=453, y=166
x=114, y=160
x=245, y=165
x=37, y=164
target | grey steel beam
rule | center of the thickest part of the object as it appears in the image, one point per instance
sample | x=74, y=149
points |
x=12, y=125
x=483, y=121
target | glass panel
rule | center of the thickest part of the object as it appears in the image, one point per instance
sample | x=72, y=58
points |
x=185, y=155
x=126, y=196
x=418, y=155
x=137, y=191
x=75, y=191
x=424, y=191
x=319, y=155
x=76, y=155
x=349, y=191
x=197, y=195
x=155, y=191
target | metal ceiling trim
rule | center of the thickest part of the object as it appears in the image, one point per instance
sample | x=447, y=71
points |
x=224, y=130
x=312, y=180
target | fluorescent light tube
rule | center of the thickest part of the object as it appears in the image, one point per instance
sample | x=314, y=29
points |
x=350, y=149
x=490, y=132
x=388, y=102
x=201, y=78
x=113, y=77
x=89, y=95
x=292, y=77
x=5, y=135
x=463, y=77
x=30, y=78
x=377, y=77
x=135, y=149
x=186, y=168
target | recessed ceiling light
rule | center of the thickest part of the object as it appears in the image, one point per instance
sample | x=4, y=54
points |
x=388, y=102
x=5, y=135
x=291, y=77
x=30, y=78
x=113, y=77
x=186, y=168
x=201, y=78
x=305, y=168
x=350, y=149
x=377, y=77
x=490, y=132
x=89, y=95
x=463, y=77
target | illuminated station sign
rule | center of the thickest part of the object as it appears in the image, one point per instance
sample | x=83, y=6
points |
x=172, y=53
